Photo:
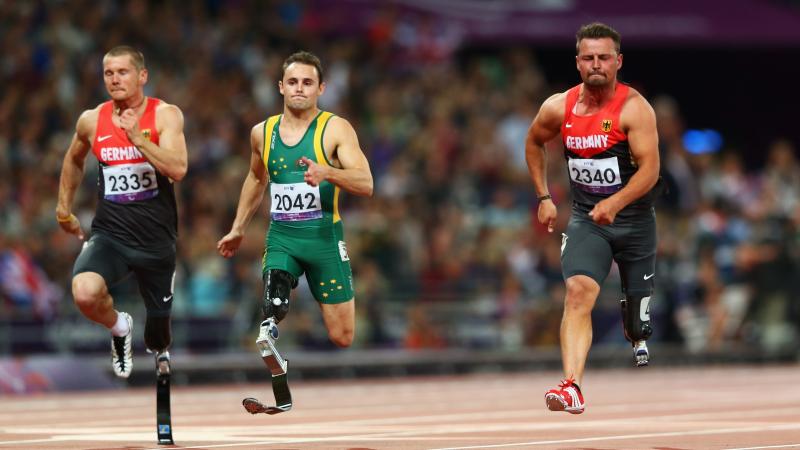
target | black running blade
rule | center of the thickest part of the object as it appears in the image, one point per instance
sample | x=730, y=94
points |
x=283, y=397
x=254, y=406
x=163, y=415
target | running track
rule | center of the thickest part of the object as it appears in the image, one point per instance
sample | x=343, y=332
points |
x=650, y=408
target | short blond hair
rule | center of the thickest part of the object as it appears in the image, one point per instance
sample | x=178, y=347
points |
x=137, y=58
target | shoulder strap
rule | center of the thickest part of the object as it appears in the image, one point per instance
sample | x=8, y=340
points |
x=269, y=137
x=569, y=104
x=319, y=151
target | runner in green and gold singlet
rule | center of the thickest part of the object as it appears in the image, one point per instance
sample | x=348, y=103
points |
x=305, y=234
x=306, y=157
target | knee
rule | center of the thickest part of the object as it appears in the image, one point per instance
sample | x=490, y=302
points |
x=87, y=290
x=342, y=337
x=581, y=294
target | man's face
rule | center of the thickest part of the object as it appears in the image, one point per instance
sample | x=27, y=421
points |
x=598, y=61
x=300, y=86
x=122, y=79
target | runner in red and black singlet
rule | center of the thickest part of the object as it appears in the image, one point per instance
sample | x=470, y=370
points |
x=140, y=147
x=598, y=155
x=611, y=148
x=136, y=203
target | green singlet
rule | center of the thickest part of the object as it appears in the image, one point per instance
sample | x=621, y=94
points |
x=305, y=233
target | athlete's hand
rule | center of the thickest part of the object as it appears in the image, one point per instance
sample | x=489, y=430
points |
x=71, y=225
x=229, y=243
x=547, y=214
x=129, y=122
x=315, y=174
x=604, y=212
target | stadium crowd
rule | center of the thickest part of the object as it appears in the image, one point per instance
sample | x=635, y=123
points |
x=448, y=251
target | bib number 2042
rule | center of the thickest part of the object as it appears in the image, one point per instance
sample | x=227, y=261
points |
x=301, y=202
x=295, y=201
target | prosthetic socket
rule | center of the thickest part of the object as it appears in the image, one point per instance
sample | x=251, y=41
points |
x=636, y=318
x=157, y=333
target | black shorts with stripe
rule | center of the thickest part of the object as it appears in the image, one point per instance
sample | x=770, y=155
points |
x=588, y=248
x=113, y=260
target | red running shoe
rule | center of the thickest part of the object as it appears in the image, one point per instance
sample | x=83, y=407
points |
x=567, y=398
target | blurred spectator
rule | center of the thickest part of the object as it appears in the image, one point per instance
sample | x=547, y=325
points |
x=451, y=226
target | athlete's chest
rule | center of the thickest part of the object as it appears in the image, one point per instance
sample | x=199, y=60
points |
x=589, y=130
x=111, y=144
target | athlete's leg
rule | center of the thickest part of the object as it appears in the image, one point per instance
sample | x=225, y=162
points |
x=586, y=258
x=635, y=253
x=98, y=266
x=340, y=320
x=637, y=285
x=101, y=264
x=91, y=296
x=155, y=272
x=576, y=324
x=330, y=279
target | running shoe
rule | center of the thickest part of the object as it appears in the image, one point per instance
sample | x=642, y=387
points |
x=567, y=398
x=122, y=350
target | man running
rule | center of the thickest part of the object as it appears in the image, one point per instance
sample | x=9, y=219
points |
x=611, y=148
x=305, y=156
x=139, y=144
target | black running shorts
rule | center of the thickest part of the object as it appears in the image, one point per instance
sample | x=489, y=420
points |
x=588, y=249
x=112, y=260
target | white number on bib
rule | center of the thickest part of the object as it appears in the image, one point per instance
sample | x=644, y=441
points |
x=596, y=176
x=130, y=182
x=295, y=201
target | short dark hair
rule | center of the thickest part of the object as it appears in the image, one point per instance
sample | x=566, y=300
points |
x=137, y=58
x=597, y=30
x=303, y=57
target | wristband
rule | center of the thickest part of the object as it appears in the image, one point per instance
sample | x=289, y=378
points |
x=67, y=220
x=545, y=197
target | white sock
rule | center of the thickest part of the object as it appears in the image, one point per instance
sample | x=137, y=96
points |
x=121, y=328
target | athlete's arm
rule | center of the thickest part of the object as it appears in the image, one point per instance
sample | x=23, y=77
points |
x=250, y=197
x=168, y=157
x=354, y=176
x=544, y=128
x=72, y=172
x=638, y=120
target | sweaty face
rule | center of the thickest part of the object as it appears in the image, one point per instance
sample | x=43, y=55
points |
x=598, y=61
x=122, y=79
x=300, y=86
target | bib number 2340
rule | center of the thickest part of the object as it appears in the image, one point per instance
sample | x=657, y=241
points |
x=597, y=176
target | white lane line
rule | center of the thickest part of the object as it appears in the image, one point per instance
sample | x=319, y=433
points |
x=427, y=425
x=767, y=446
x=635, y=436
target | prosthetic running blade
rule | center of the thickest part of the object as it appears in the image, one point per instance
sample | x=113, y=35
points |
x=277, y=367
x=163, y=415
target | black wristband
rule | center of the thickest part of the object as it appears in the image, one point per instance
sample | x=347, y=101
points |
x=545, y=197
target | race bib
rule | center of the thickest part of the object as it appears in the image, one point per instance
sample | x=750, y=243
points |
x=596, y=176
x=295, y=201
x=130, y=182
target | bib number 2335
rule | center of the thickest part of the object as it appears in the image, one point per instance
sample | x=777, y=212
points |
x=295, y=201
x=129, y=182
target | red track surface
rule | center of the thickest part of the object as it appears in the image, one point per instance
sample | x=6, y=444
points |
x=649, y=408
